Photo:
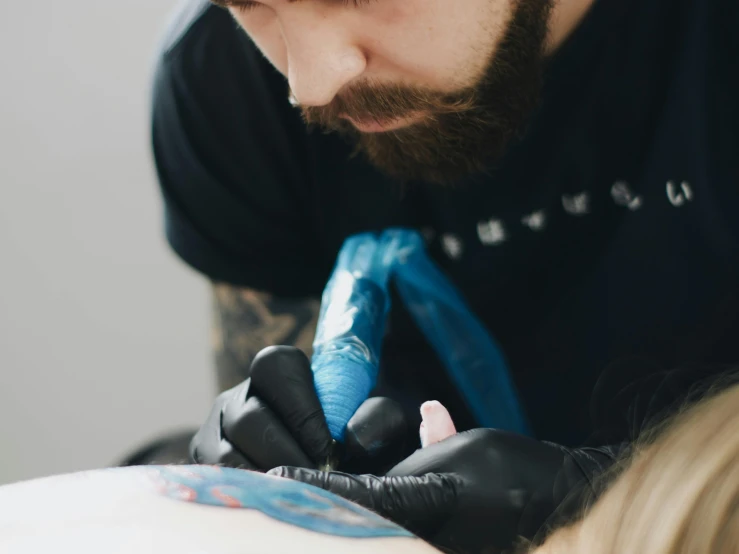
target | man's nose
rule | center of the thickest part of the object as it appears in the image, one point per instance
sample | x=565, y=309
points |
x=321, y=59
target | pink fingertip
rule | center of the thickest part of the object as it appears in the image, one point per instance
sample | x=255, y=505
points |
x=437, y=424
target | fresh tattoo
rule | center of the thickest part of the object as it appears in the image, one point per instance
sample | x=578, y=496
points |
x=287, y=501
x=247, y=321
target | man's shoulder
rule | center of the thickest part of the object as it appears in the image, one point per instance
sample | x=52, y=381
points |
x=203, y=47
x=191, y=24
x=722, y=20
x=210, y=74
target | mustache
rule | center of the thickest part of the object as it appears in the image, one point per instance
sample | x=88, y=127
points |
x=381, y=102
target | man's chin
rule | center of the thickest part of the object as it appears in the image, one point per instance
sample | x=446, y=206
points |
x=370, y=125
x=406, y=161
x=424, y=151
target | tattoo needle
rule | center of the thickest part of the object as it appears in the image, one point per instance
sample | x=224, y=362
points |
x=331, y=462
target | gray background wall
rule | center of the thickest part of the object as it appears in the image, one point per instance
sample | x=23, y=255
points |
x=103, y=333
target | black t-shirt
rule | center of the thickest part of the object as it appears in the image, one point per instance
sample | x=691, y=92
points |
x=604, y=248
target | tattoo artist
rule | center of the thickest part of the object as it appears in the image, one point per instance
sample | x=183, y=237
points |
x=573, y=167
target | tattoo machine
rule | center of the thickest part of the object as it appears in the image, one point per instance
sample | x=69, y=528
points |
x=351, y=327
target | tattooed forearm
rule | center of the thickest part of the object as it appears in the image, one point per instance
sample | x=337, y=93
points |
x=246, y=321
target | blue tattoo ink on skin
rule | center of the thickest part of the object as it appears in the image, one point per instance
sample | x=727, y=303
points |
x=287, y=501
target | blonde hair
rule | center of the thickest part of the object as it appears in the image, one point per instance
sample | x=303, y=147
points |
x=678, y=494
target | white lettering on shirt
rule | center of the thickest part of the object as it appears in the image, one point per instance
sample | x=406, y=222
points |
x=679, y=197
x=578, y=204
x=491, y=232
x=623, y=196
x=453, y=246
x=536, y=221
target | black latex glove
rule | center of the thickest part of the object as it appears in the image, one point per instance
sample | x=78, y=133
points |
x=475, y=492
x=274, y=418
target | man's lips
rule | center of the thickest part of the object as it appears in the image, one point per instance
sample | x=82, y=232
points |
x=371, y=125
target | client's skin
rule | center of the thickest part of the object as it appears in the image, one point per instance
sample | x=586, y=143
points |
x=189, y=509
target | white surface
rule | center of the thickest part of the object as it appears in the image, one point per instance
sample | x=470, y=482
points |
x=103, y=333
x=119, y=513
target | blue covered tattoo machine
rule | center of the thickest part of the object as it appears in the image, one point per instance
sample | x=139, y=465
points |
x=351, y=326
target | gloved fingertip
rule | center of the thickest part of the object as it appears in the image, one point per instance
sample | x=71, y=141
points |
x=276, y=364
x=279, y=472
x=307, y=476
x=378, y=425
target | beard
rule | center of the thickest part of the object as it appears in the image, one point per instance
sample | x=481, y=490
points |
x=463, y=132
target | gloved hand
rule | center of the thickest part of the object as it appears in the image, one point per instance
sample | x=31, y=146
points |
x=274, y=418
x=475, y=492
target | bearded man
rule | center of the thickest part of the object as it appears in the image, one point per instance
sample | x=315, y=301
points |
x=574, y=167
